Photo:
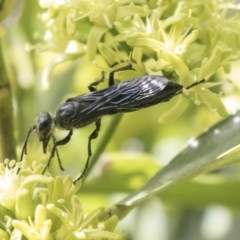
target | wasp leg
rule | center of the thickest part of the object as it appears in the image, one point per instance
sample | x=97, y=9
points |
x=54, y=149
x=92, y=86
x=93, y=135
x=111, y=74
x=58, y=157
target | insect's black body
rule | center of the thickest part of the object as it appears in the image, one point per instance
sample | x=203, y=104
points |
x=132, y=95
x=80, y=111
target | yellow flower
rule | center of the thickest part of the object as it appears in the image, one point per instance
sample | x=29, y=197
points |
x=43, y=207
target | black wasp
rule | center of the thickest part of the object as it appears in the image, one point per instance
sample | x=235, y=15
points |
x=77, y=112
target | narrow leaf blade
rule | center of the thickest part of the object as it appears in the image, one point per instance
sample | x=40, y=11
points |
x=200, y=154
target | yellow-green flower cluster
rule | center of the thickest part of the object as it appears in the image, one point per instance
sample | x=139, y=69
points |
x=187, y=39
x=40, y=207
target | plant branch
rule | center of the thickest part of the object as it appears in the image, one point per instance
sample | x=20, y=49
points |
x=7, y=141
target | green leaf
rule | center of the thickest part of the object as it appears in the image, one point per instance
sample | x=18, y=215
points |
x=201, y=155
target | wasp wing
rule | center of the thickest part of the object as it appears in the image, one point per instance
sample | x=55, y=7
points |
x=131, y=95
x=126, y=96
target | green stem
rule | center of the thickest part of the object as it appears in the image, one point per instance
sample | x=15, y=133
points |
x=7, y=141
x=105, y=139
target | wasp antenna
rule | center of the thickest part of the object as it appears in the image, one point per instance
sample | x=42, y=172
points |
x=196, y=83
x=24, y=149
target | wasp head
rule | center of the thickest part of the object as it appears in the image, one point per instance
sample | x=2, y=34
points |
x=44, y=127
